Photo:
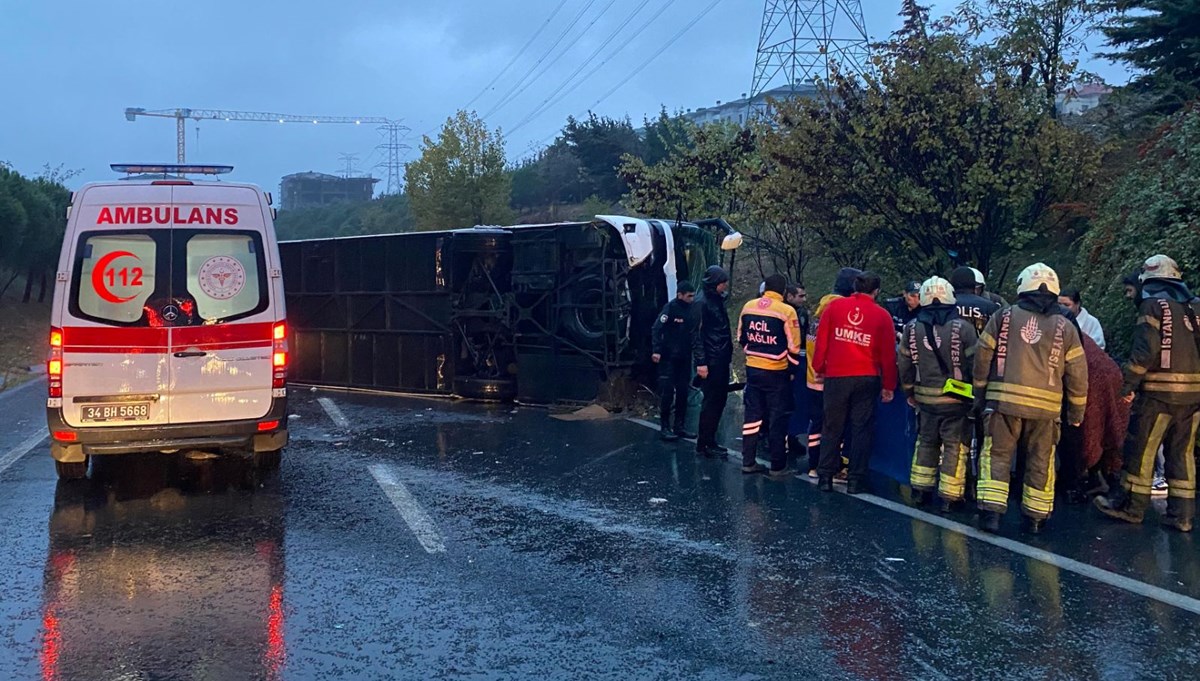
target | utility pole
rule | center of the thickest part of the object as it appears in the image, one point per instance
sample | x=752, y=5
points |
x=803, y=41
x=392, y=164
x=348, y=170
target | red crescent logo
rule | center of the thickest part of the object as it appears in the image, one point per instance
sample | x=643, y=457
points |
x=98, y=277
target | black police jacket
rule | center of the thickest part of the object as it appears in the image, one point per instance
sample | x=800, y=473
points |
x=975, y=309
x=716, y=335
x=901, y=315
x=674, y=334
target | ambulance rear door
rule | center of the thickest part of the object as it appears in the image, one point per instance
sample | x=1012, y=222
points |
x=221, y=347
x=115, y=369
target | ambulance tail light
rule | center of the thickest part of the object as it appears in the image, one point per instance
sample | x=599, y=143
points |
x=279, y=355
x=54, y=365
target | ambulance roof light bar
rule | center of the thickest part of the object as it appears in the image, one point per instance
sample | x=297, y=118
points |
x=169, y=169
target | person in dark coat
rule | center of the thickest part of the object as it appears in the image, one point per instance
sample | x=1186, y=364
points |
x=674, y=343
x=714, y=358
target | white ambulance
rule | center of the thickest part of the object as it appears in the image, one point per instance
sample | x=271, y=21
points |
x=168, y=329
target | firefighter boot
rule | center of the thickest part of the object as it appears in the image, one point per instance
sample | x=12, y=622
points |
x=1121, y=505
x=989, y=521
x=1031, y=525
x=1179, y=514
x=921, y=497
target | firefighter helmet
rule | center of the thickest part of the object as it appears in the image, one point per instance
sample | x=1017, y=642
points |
x=936, y=289
x=1036, y=277
x=1160, y=267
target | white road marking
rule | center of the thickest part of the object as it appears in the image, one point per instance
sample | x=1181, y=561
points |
x=335, y=413
x=21, y=450
x=1133, y=586
x=24, y=386
x=418, y=521
x=570, y=510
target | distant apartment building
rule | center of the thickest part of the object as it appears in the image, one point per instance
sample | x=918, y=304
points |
x=740, y=110
x=1080, y=98
x=311, y=189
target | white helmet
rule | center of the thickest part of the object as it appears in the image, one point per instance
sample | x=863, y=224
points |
x=978, y=277
x=937, y=289
x=1160, y=267
x=1034, y=277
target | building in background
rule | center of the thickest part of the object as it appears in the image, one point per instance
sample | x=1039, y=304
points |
x=1080, y=98
x=311, y=189
x=742, y=109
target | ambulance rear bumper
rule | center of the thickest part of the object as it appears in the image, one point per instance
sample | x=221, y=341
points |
x=244, y=434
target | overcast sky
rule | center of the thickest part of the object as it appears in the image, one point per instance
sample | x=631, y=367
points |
x=71, y=68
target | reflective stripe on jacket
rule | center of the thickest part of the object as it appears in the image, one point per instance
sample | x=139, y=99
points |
x=1026, y=361
x=921, y=376
x=1164, y=361
x=769, y=333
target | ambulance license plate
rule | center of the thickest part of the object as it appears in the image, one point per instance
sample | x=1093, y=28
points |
x=133, y=411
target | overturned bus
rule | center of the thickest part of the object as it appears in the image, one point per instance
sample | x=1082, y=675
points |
x=538, y=313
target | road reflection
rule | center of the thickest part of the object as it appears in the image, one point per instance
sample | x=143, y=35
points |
x=165, y=567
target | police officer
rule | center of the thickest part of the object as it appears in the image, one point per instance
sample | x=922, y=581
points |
x=1164, y=373
x=797, y=439
x=673, y=342
x=936, y=350
x=1028, y=356
x=903, y=309
x=769, y=333
x=971, y=306
x=714, y=358
x=976, y=310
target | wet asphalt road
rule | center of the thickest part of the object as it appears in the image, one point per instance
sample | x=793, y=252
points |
x=426, y=539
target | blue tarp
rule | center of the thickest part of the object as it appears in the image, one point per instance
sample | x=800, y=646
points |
x=895, y=432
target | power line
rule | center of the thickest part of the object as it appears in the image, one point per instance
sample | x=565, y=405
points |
x=675, y=38
x=605, y=43
x=511, y=62
x=656, y=55
x=535, y=74
x=519, y=54
x=541, y=109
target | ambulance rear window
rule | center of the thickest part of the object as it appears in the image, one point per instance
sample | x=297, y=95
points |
x=115, y=276
x=224, y=273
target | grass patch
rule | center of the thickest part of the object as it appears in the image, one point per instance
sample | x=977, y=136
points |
x=23, y=331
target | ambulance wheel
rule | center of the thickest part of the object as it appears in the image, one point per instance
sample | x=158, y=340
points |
x=75, y=470
x=268, y=461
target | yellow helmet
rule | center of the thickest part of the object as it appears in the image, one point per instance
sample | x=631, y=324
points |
x=1034, y=277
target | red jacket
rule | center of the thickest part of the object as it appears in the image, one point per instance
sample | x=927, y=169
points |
x=856, y=338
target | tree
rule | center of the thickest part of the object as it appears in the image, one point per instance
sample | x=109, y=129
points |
x=460, y=179
x=599, y=143
x=1162, y=38
x=1153, y=208
x=1036, y=41
x=938, y=160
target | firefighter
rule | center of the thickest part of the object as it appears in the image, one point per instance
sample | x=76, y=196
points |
x=1164, y=373
x=714, y=358
x=936, y=356
x=769, y=333
x=1028, y=357
x=674, y=340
